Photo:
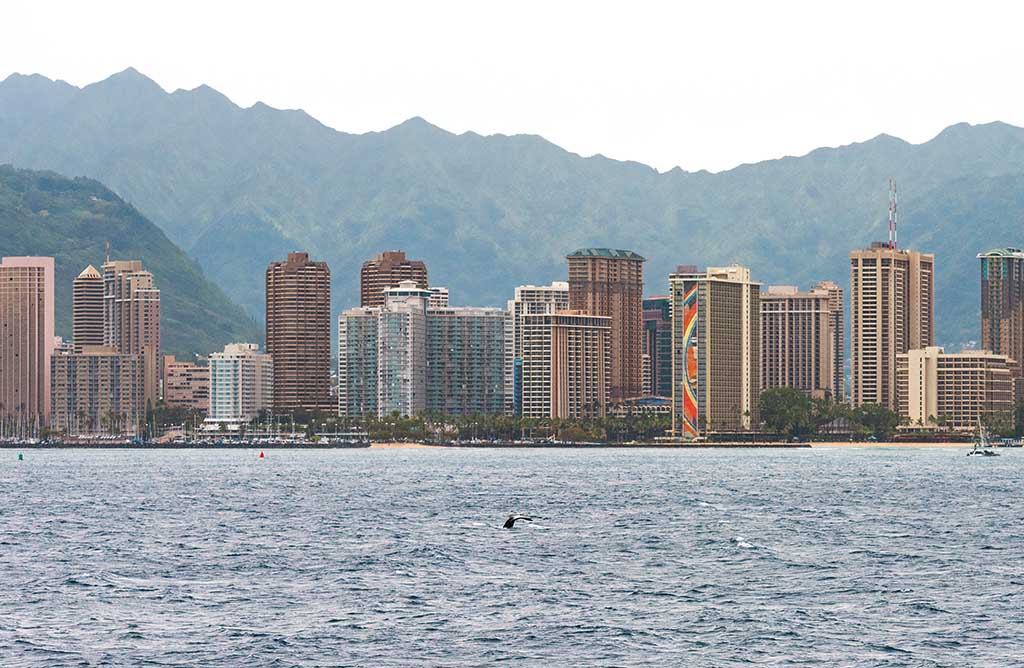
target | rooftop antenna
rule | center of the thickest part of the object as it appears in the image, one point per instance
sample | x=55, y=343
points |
x=892, y=213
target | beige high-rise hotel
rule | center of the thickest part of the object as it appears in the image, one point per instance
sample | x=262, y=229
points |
x=892, y=311
x=801, y=339
x=1002, y=306
x=610, y=283
x=131, y=319
x=26, y=341
x=87, y=309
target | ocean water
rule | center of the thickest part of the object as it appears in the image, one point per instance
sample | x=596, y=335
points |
x=884, y=557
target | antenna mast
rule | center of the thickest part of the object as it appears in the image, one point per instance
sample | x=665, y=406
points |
x=108, y=250
x=892, y=213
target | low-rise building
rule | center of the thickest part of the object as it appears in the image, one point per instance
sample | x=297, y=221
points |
x=954, y=390
x=186, y=384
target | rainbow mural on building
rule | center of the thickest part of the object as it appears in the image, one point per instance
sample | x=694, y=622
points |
x=690, y=355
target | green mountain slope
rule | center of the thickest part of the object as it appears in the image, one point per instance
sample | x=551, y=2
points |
x=238, y=187
x=42, y=213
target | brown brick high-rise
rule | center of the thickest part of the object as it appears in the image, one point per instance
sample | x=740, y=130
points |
x=299, y=333
x=387, y=270
x=610, y=283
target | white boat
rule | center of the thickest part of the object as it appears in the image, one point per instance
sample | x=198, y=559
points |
x=981, y=444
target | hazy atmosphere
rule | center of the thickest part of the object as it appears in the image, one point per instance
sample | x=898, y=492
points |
x=695, y=85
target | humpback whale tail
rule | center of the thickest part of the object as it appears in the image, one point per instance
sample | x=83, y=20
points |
x=512, y=519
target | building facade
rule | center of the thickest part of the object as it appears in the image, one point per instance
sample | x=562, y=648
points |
x=26, y=342
x=954, y=390
x=610, y=283
x=186, y=384
x=1002, y=306
x=799, y=339
x=527, y=300
x=131, y=319
x=388, y=270
x=402, y=351
x=892, y=300
x=657, y=347
x=438, y=297
x=87, y=309
x=716, y=351
x=241, y=385
x=566, y=365
x=98, y=391
x=357, y=362
x=466, y=361
x=299, y=333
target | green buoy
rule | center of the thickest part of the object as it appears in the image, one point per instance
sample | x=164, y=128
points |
x=21, y=457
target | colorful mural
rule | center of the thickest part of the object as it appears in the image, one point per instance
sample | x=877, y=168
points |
x=690, y=352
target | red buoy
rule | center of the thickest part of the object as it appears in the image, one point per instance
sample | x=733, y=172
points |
x=261, y=454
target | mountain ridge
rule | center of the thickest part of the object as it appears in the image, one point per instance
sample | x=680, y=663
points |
x=238, y=188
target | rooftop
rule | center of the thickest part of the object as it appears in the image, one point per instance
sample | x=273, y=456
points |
x=606, y=252
x=1003, y=252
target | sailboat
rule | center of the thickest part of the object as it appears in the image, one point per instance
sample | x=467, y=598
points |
x=981, y=444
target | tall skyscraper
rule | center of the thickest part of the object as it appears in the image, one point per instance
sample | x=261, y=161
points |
x=388, y=270
x=716, y=351
x=97, y=390
x=241, y=385
x=1002, y=305
x=657, y=346
x=610, y=283
x=835, y=302
x=566, y=365
x=131, y=319
x=402, y=351
x=87, y=309
x=798, y=341
x=956, y=390
x=357, y=362
x=892, y=298
x=528, y=300
x=466, y=361
x=299, y=333
x=26, y=341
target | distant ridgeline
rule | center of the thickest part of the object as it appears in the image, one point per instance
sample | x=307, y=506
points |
x=238, y=188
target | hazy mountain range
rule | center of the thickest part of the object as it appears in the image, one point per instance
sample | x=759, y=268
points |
x=238, y=187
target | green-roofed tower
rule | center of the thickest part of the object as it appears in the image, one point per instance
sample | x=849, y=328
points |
x=1002, y=304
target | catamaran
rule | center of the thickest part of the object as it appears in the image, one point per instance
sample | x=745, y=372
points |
x=981, y=444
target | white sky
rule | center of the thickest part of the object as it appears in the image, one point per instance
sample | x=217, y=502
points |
x=702, y=85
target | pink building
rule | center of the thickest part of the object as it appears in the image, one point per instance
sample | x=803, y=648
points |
x=26, y=341
x=186, y=384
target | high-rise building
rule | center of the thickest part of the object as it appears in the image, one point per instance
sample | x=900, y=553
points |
x=357, y=362
x=528, y=300
x=241, y=385
x=955, y=390
x=607, y=282
x=892, y=298
x=466, y=361
x=402, y=351
x=98, y=391
x=716, y=351
x=835, y=301
x=388, y=270
x=1002, y=306
x=610, y=283
x=87, y=309
x=186, y=384
x=657, y=346
x=566, y=365
x=798, y=341
x=438, y=297
x=26, y=342
x=299, y=333
x=131, y=319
